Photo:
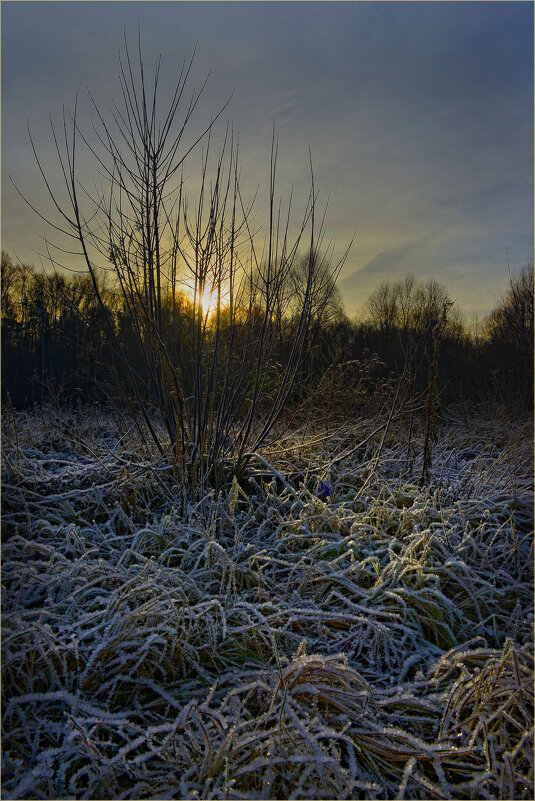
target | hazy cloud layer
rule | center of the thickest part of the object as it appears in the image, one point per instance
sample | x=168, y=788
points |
x=419, y=117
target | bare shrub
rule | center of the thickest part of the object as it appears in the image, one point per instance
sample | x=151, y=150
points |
x=153, y=230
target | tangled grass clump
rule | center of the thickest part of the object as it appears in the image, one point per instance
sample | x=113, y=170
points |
x=375, y=642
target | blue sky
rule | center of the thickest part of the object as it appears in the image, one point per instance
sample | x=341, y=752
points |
x=419, y=117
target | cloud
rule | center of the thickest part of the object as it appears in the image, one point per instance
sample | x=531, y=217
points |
x=387, y=264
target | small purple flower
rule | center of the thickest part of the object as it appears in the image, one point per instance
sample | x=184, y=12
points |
x=324, y=489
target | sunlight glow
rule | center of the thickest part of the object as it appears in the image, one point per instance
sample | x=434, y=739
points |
x=207, y=301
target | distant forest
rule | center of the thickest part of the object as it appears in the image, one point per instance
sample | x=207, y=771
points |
x=55, y=343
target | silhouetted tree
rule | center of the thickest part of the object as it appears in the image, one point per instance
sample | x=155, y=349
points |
x=512, y=319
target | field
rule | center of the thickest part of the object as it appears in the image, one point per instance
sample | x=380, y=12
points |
x=375, y=642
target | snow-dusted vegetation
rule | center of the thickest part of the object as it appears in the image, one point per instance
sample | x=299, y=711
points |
x=342, y=631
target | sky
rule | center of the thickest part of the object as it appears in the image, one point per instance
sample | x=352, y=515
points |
x=419, y=118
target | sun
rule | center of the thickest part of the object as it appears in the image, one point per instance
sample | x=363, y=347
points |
x=206, y=302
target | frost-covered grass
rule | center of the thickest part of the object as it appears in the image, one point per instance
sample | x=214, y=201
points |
x=375, y=645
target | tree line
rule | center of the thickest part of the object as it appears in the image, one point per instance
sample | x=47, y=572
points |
x=55, y=339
